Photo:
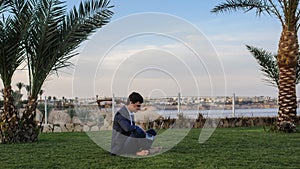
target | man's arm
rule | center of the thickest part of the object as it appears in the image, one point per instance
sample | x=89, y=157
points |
x=125, y=123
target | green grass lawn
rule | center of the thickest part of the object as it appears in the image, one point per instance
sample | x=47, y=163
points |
x=226, y=148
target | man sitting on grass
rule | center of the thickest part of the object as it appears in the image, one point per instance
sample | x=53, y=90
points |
x=127, y=138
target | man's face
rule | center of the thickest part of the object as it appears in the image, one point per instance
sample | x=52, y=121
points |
x=136, y=106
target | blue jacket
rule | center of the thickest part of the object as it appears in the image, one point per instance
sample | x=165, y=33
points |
x=122, y=129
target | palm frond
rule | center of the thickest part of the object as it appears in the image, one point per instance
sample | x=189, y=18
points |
x=42, y=43
x=268, y=64
x=13, y=28
x=4, y=4
x=55, y=35
x=290, y=10
x=261, y=6
x=11, y=51
x=81, y=22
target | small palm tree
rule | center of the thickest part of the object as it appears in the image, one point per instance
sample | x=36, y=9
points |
x=17, y=99
x=49, y=98
x=288, y=14
x=20, y=85
x=54, y=101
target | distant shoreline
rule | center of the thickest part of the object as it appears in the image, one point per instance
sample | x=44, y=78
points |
x=216, y=106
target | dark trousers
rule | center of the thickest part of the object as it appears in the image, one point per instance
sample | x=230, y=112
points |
x=136, y=142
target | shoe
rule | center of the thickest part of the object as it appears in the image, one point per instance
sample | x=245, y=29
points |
x=155, y=150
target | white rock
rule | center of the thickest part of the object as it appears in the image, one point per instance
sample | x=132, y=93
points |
x=59, y=117
x=78, y=128
x=95, y=128
x=76, y=120
x=47, y=128
x=57, y=129
x=86, y=128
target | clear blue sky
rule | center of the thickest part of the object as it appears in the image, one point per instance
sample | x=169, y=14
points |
x=227, y=34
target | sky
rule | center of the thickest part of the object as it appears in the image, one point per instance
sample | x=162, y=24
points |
x=165, y=47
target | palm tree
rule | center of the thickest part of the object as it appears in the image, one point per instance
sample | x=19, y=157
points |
x=41, y=93
x=18, y=95
x=268, y=65
x=49, y=98
x=51, y=40
x=20, y=85
x=288, y=14
x=17, y=98
x=54, y=101
x=12, y=30
x=42, y=32
x=63, y=101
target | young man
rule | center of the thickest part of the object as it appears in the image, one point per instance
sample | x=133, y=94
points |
x=127, y=138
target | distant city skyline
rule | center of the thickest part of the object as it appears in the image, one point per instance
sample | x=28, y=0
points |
x=153, y=60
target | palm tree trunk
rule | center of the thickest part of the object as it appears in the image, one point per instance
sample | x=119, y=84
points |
x=9, y=123
x=29, y=128
x=287, y=60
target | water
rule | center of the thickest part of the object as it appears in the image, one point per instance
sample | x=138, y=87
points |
x=193, y=114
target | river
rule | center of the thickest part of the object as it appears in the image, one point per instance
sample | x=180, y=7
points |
x=270, y=112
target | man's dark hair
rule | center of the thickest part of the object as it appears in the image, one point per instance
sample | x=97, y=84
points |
x=135, y=97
